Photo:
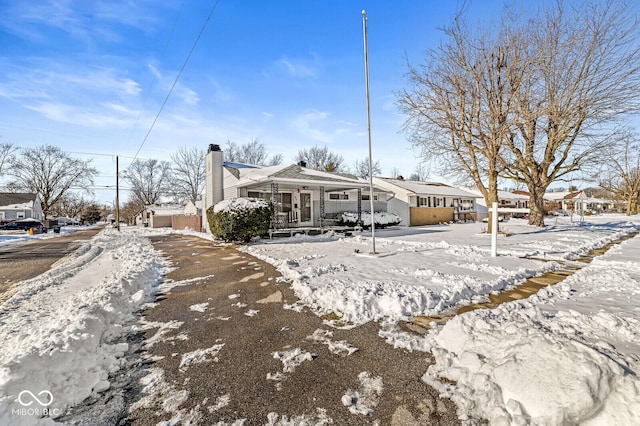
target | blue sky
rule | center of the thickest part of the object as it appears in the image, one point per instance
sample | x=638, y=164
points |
x=90, y=76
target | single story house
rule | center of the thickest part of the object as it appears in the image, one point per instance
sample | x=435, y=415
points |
x=159, y=215
x=577, y=201
x=427, y=203
x=506, y=200
x=303, y=197
x=17, y=205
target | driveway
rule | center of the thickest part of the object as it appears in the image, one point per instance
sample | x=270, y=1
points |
x=230, y=343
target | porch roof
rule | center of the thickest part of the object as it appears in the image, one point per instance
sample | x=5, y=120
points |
x=296, y=176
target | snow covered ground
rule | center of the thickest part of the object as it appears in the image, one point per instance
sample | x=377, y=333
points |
x=13, y=237
x=569, y=354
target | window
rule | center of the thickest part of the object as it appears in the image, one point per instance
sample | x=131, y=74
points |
x=20, y=215
x=336, y=196
x=438, y=202
x=423, y=202
x=365, y=197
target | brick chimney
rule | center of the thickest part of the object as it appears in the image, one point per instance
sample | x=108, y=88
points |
x=215, y=182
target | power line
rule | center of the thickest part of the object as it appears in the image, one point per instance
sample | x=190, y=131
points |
x=195, y=43
x=164, y=51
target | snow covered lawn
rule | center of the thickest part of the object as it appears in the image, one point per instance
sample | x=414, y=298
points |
x=569, y=354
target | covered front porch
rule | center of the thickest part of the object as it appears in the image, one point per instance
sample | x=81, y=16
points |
x=308, y=207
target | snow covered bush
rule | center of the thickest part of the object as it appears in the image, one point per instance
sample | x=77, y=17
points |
x=240, y=219
x=382, y=219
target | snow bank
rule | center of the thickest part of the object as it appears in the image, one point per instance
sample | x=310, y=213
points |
x=566, y=356
x=61, y=331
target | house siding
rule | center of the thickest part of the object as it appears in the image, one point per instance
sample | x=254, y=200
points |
x=421, y=216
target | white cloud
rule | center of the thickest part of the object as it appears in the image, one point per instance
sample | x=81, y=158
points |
x=307, y=125
x=299, y=67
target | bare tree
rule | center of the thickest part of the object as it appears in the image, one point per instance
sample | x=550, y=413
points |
x=458, y=104
x=6, y=150
x=129, y=211
x=622, y=173
x=361, y=168
x=395, y=173
x=420, y=173
x=148, y=180
x=50, y=172
x=530, y=101
x=188, y=174
x=318, y=158
x=582, y=69
x=69, y=205
x=253, y=152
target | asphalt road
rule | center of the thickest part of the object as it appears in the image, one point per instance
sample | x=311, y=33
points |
x=23, y=261
x=245, y=331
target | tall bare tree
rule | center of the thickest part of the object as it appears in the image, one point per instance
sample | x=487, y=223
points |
x=457, y=106
x=582, y=69
x=320, y=158
x=50, y=172
x=6, y=149
x=622, y=171
x=70, y=205
x=361, y=168
x=252, y=152
x=148, y=180
x=529, y=101
x=188, y=174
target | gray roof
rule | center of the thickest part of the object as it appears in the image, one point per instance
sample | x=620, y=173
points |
x=8, y=198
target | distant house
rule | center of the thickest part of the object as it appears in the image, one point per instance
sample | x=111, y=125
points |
x=18, y=205
x=427, y=203
x=577, y=201
x=303, y=197
x=160, y=215
x=517, y=201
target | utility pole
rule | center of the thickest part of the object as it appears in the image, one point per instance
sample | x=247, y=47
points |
x=117, y=195
x=366, y=79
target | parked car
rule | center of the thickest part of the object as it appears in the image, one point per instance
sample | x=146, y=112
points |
x=559, y=212
x=25, y=225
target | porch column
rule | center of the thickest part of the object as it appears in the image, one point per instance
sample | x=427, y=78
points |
x=275, y=200
x=360, y=207
x=322, y=213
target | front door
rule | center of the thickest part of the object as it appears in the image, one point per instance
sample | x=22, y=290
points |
x=305, y=209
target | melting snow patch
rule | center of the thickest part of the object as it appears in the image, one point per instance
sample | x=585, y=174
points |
x=200, y=307
x=365, y=399
x=221, y=402
x=200, y=355
x=251, y=312
x=339, y=347
x=290, y=360
x=320, y=419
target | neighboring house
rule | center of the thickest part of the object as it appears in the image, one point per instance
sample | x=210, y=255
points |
x=302, y=196
x=160, y=215
x=427, y=203
x=577, y=201
x=17, y=205
x=572, y=200
x=519, y=202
